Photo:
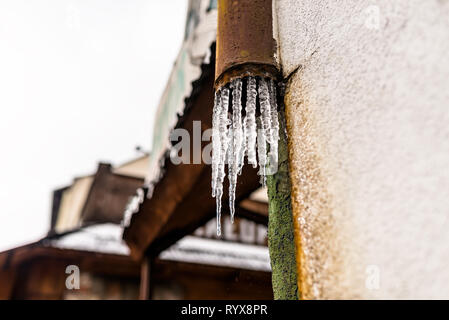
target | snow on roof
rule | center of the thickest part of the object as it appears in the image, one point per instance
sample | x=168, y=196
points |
x=101, y=238
x=107, y=238
x=220, y=253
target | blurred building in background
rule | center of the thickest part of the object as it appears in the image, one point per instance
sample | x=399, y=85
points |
x=86, y=233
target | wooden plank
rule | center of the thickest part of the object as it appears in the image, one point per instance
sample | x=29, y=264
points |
x=108, y=196
x=255, y=206
x=253, y=210
x=123, y=265
x=145, y=279
x=41, y=279
x=198, y=281
x=7, y=281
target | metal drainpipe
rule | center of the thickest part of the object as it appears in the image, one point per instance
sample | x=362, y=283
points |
x=246, y=47
x=245, y=42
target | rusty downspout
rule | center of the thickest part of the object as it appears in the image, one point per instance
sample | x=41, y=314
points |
x=246, y=48
x=245, y=43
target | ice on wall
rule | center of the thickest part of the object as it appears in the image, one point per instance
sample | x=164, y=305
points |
x=234, y=137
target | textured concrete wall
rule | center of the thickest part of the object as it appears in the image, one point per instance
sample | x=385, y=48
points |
x=367, y=109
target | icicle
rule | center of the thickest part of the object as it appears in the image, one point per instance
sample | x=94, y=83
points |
x=244, y=150
x=265, y=132
x=232, y=174
x=261, y=150
x=233, y=138
x=216, y=141
x=239, y=141
x=250, y=121
x=223, y=133
x=265, y=110
x=274, y=122
x=235, y=146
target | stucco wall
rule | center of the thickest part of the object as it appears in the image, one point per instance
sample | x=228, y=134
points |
x=367, y=109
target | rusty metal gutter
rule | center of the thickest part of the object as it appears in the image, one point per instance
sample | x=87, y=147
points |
x=245, y=42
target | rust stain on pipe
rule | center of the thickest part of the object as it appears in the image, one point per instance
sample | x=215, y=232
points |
x=245, y=43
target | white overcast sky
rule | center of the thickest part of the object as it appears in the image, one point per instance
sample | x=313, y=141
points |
x=79, y=83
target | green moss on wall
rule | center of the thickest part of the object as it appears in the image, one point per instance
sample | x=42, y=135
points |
x=280, y=227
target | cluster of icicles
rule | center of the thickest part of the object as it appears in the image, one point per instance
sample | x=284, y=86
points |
x=254, y=134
